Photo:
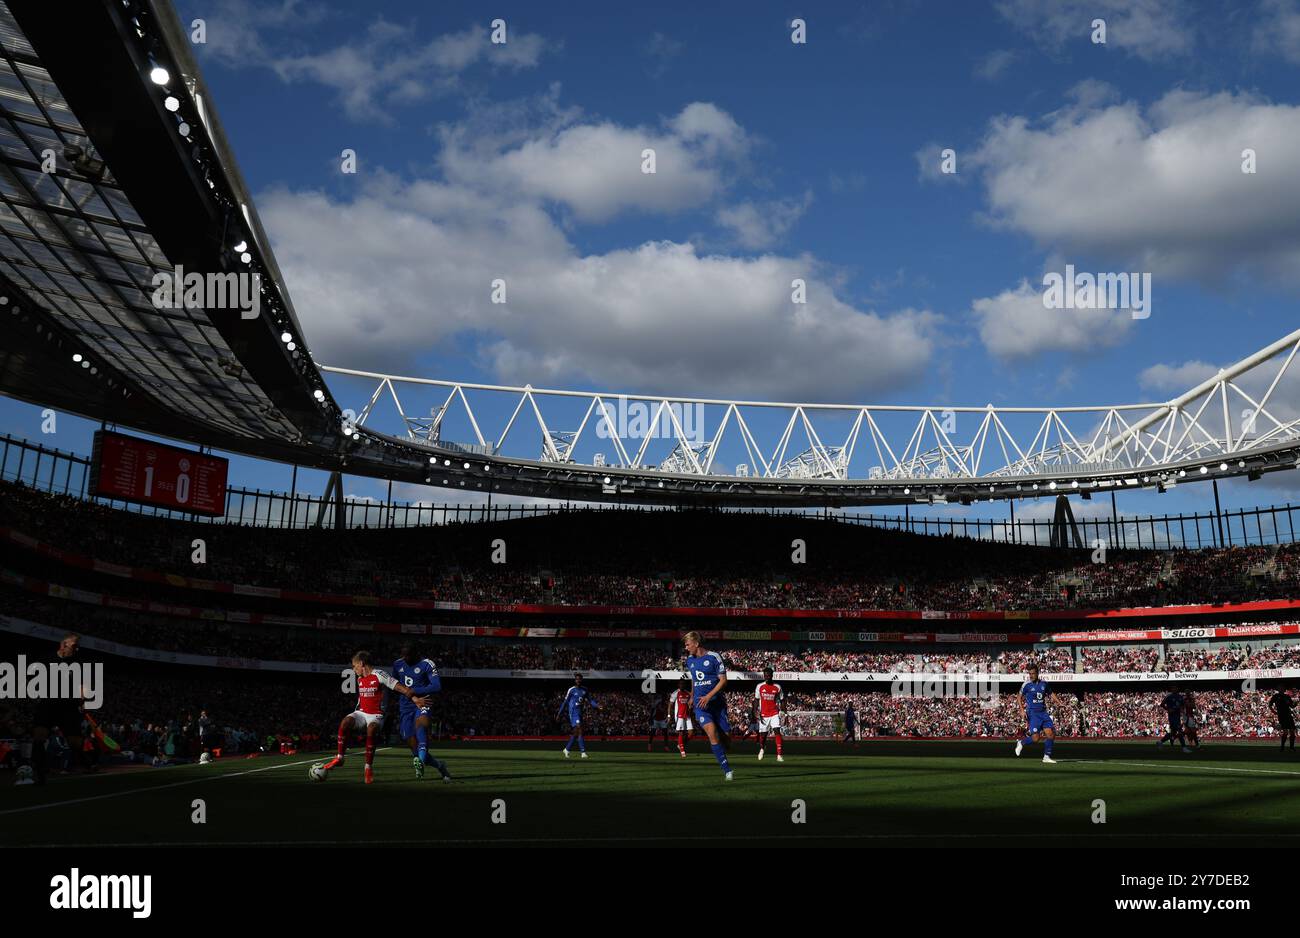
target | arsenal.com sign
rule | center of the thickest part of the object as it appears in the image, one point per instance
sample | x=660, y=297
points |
x=134, y=470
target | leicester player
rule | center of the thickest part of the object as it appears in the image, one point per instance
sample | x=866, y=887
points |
x=1033, y=703
x=1173, y=704
x=708, y=679
x=369, y=715
x=850, y=725
x=421, y=676
x=577, y=697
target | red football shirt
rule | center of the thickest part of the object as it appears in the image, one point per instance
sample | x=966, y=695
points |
x=682, y=704
x=370, y=691
x=768, y=695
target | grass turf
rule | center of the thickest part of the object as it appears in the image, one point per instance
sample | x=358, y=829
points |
x=893, y=793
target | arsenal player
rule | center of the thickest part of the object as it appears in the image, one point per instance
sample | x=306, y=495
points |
x=658, y=722
x=770, y=700
x=679, y=705
x=369, y=714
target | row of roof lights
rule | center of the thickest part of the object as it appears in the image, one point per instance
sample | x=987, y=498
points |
x=77, y=357
x=161, y=77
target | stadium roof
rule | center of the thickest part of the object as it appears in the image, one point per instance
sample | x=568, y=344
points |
x=114, y=169
x=103, y=187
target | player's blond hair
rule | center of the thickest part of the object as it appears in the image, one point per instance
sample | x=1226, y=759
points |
x=693, y=636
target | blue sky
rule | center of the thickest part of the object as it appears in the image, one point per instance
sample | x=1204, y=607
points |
x=818, y=160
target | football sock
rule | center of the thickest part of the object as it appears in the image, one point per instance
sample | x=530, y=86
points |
x=422, y=741
x=778, y=744
x=343, y=743
x=681, y=741
x=720, y=754
x=1027, y=741
x=762, y=740
x=582, y=744
x=370, y=751
x=1047, y=746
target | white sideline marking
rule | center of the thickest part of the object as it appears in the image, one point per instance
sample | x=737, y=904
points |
x=188, y=781
x=1175, y=765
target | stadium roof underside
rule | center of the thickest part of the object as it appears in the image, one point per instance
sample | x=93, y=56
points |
x=114, y=168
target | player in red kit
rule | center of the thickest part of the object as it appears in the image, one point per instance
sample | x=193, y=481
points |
x=770, y=699
x=679, y=705
x=369, y=715
x=658, y=722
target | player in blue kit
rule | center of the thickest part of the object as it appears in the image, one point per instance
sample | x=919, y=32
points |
x=708, y=677
x=421, y=676
x=1033, y=701
x=1174, y=704
x=574, y=700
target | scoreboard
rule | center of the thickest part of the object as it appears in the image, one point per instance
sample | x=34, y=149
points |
x=135, y=470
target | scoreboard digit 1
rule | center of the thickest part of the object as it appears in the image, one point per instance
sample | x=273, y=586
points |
x=134, y=470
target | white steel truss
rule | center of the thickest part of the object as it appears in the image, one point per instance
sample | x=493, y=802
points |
x=1244, y=419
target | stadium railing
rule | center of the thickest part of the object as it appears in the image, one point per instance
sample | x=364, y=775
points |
x=59, y=472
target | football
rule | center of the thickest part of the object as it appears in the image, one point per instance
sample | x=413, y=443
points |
x=317, y=772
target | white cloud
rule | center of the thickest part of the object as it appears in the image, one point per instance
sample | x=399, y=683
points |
x=994, y=65
x=1172, y=380
x=1159, y=190
x=1015, y=325
x=380, y=69
x=237, y=29
x=760, y=225
x=1282, y=404
x=406, y=267
x=594, y=169
x=1149, y=29
x=1277, y=30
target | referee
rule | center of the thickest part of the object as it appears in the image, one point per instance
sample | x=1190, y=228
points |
x=62, y=713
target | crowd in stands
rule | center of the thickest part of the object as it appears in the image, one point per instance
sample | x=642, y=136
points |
x=816, y=659
x=1232, y=658
x=268, y=643
x=1120, y=658
x=662, y=559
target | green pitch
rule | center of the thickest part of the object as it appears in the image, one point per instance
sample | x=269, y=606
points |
x=883, y=793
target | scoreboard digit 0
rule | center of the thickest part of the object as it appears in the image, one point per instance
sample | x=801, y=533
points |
x=135, y=470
